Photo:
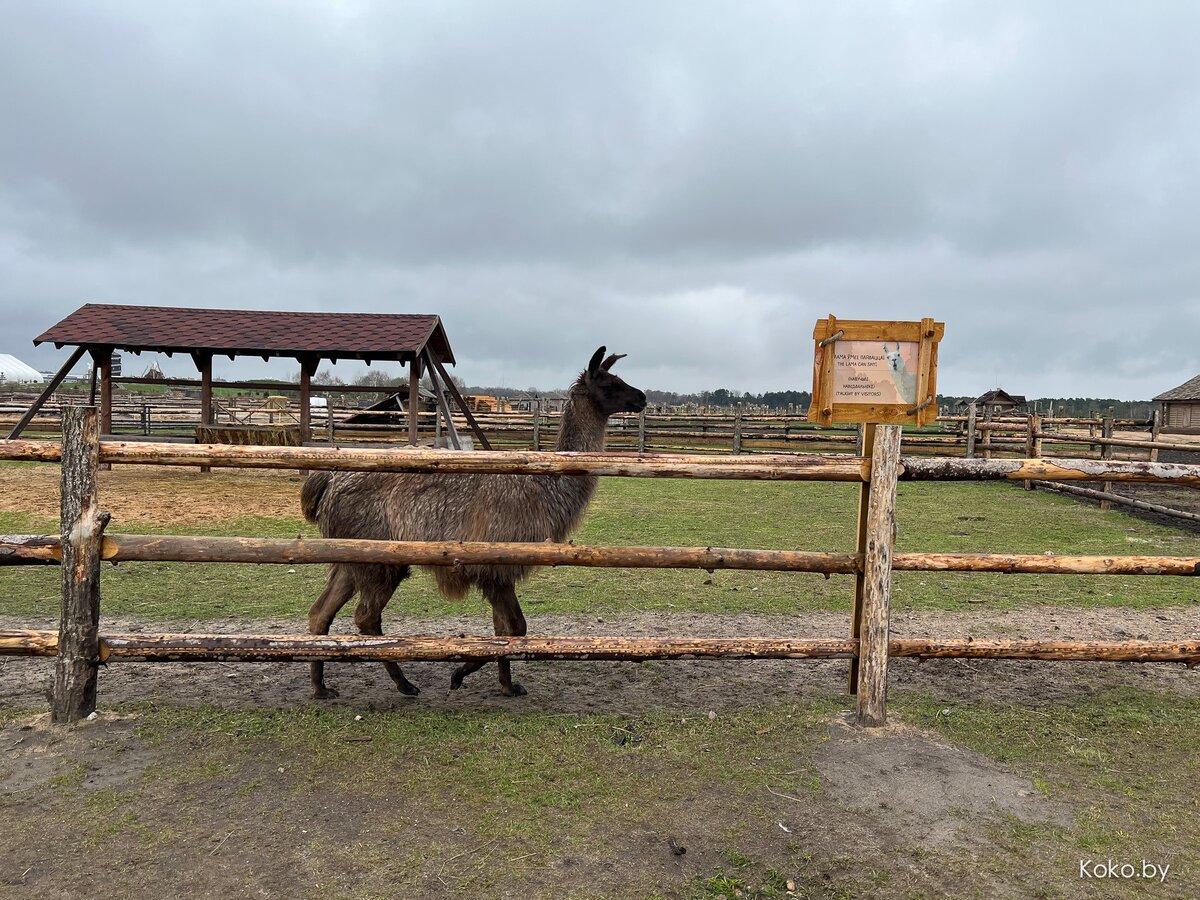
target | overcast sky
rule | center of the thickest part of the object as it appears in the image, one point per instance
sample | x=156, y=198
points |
x=691, y=183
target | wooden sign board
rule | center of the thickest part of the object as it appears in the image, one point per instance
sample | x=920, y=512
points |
x=866, y=371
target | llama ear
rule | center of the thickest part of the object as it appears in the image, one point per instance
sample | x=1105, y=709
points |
x=608, y=363
x=594, y=365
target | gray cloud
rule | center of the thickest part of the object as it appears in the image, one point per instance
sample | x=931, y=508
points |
x=692, y=183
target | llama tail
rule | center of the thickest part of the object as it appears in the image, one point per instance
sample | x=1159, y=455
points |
x=312, y=492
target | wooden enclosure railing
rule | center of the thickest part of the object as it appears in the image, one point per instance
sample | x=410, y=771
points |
x=79, y=648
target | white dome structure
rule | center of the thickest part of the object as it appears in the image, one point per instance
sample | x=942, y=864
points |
x=13, y=371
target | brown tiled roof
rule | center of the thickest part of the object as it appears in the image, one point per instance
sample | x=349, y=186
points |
x=246, y=332
x=1189, y=390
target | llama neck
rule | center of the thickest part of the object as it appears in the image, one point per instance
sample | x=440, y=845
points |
x=583, y=426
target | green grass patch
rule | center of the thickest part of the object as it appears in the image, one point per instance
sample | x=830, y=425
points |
x=1125, y=758
x=809, y=516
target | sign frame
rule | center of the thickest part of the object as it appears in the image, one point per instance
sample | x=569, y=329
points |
x=828, y=331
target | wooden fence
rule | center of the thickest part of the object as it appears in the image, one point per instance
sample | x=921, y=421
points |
x=83, y=546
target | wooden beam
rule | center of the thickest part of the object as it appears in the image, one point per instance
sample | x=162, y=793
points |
x=45, y=550
x=74, y=690
x=877, y=576
x=789, y=468
x=865, y=447
x=45, y=394
x=444, y=407
x=140, y=647
x=204, y=362
x=458, y=398
x=414, y=398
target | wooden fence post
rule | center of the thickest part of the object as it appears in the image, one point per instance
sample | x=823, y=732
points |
x=82, y=529
x=970, y=431
x=876, y=577
x=864, y=446
x=1106, y=452
x=1033, y=443
x=1155, y=429
x=642, y=431
x=537, y=423
x=737, y=432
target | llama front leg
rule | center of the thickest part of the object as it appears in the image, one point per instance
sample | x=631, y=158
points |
x=338, y=590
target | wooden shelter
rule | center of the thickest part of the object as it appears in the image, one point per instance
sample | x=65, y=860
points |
x=100, y=330
x=997, y=403
x=1181, y=407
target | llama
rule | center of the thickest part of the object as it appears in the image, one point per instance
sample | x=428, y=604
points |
x=906, y=381
x=411, y=507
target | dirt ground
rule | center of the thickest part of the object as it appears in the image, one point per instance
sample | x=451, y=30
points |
x=899, y=792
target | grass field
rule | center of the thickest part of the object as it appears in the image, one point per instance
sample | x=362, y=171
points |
x=810, y=516
x=417, y=799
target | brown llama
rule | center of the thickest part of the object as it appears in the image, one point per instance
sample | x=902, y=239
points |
x=411, y=507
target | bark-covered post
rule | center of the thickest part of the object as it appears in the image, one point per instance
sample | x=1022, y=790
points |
x=874, y=631
x=1106, y=452
x=737, y=431
x=536, y=407
x=1155, y=429
x=1031, y=442
x=970, y=431
x=82, y=530
x=642, y=431
x=414, y=398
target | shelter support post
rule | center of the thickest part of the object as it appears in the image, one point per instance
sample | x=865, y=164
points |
x=204, y=364
x=458, y=398
x=876, y=578
x=45, y=395
x=444, y=408
x=414, y=397
x=74, y=691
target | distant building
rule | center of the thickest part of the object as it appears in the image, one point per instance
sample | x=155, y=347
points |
x=1181, y=407
x=551, y=404
x=13, y=371
x=997, y=403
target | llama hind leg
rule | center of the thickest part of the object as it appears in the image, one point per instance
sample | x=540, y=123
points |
x=338, y=590
x=507, y=620
x=368, y=616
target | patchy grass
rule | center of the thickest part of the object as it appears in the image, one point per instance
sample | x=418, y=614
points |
x=424, y=803
x=810, y=516
x=1125, y=757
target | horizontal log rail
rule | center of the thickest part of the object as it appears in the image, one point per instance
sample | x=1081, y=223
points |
x=915, y=468
x=779, y=467
x=117, y=548
x=1120, y=442
x=434, y=648
x=1124, y=501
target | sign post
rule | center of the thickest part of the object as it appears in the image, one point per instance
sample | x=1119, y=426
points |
x=878, y=374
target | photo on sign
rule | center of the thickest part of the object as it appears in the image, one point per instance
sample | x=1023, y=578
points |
x=875, y=372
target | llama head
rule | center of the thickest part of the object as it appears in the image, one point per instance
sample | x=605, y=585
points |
x=893, y=357
x=608, y=392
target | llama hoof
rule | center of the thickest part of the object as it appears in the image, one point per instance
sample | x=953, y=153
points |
x=409, y=689
x=514, y=690
x=456, y=681
x=324, y=693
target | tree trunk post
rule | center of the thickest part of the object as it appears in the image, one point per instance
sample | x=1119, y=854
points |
x=1033, y=444
x=1106, y=452
x=82, y=529
x=880, y=528
x=536, y=407
x=971, y=412
x=1155, y=430
x=864, y=447
x=414, y=397
x=642, y=431
x=737, y=431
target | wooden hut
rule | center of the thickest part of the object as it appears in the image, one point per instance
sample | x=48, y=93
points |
x=997, y=403
x=1181, y=407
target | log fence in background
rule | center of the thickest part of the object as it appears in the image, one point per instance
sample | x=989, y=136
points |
x=79, y=649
